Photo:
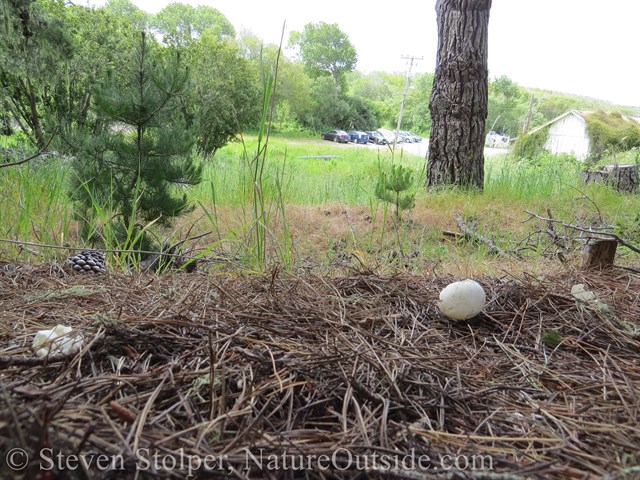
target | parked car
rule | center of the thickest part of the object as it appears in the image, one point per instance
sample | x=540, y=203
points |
x=337, y=136
x=412, y=137
x=388, y=135
x=376, y=137
x=358, y=136
x=403, y=137
x=495, y=140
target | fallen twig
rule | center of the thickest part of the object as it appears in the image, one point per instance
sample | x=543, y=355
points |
x=471, y=233
x=596, y=232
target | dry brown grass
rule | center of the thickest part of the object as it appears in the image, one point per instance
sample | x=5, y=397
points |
x=336, y=239
x=204, y=364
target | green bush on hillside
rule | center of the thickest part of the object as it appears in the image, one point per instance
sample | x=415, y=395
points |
x=530, y=145
x=611, y=132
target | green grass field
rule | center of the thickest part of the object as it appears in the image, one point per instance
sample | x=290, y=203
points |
x=324, y=211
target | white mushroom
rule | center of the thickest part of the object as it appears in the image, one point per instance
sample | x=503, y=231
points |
x=462, y=300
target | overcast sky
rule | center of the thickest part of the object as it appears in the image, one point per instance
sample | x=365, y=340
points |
x=585, y=47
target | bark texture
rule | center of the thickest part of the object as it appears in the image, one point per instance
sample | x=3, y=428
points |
x=599, y=254
x=458, y=101
x=624, y=178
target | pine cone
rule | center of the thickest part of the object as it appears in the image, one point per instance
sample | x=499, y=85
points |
x=87, y=261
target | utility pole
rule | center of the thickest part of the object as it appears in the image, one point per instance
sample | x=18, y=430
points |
x=404, y=95
x=527, y=120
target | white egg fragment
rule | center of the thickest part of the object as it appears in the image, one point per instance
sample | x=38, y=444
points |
x=57, y=340
x=462, y=300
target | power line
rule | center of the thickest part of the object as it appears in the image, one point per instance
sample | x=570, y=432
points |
x=410, y=59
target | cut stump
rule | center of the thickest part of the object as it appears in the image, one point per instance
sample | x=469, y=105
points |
x=624, y=178
x=599, y=254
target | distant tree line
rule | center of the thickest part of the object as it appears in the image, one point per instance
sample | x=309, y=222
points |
x=56, y=57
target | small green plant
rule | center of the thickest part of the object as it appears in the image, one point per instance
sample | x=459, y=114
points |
x=286, y=248
x=552, y=338
x=256, y=167
x=394, y=188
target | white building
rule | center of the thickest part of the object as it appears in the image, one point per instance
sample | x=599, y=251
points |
x=568, y=134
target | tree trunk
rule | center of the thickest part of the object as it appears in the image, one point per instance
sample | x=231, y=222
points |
x=5, y=124
x=30, y=112
x=458, y=101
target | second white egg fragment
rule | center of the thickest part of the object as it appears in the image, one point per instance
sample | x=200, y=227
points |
x=462, y=300
x=57, y=340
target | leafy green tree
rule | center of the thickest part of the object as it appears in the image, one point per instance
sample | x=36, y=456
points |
x=33, y=47
x=507, y=106
x=101, y=40
x=553, y=105
x=378, y=89
x=363, y=114
x=383, y=92
x=141, y=154
x=375, y=86
x=255, y=50
x=416, y=114
x=224, y=95
x=293, y=88
x=180, y=24
x=293, y=95
x=125, y=9
x=330, y=107
x=325, y=50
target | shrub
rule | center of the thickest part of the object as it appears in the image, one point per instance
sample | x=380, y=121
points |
x=394, y=188
x=530, y=145
x=138, y=163
x=611, y=132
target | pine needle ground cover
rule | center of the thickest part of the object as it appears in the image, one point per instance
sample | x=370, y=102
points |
x=276, y=376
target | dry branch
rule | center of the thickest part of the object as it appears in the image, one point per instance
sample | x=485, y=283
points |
x=469, y=232
x=40, y=153
x=594, y=232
